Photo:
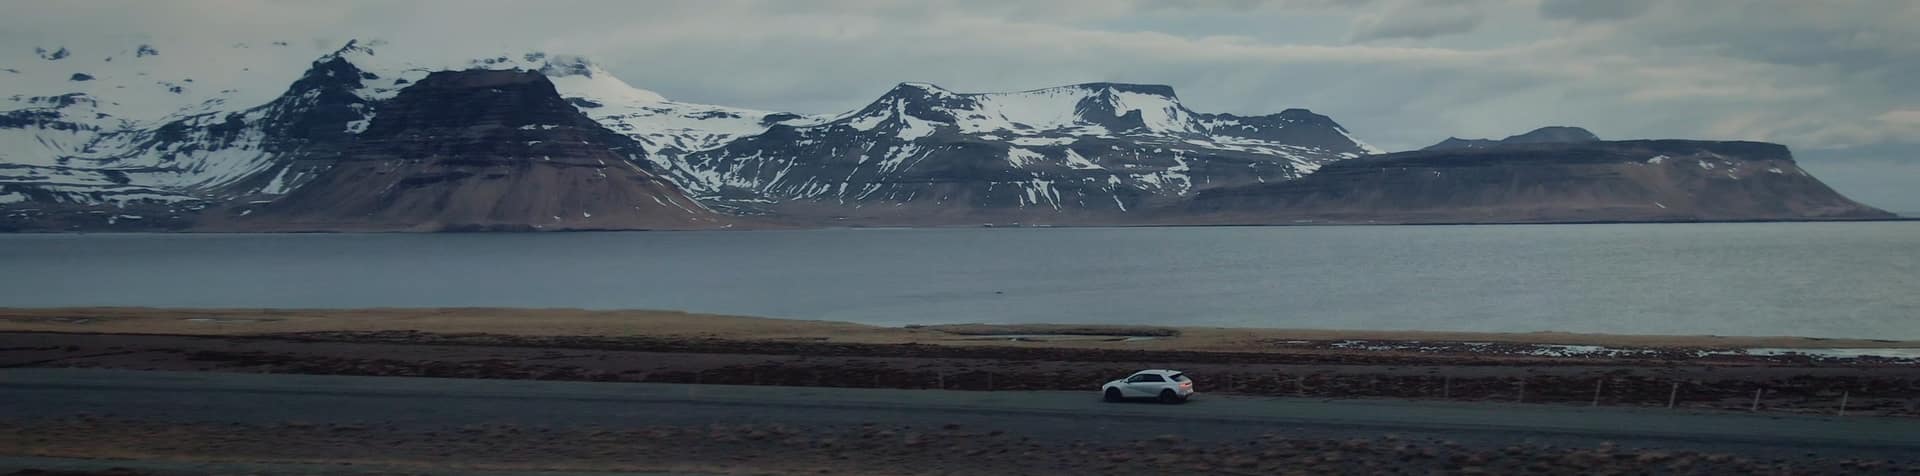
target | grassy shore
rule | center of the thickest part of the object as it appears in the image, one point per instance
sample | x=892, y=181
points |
x=672, y=324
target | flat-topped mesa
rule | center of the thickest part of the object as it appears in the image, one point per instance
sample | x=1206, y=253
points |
x=1658, y=151
x=1148, y=89
x=1637, y=180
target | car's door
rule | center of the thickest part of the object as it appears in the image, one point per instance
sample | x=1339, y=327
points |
x=1145, y=385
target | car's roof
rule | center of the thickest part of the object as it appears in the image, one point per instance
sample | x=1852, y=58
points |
x=1157, y=371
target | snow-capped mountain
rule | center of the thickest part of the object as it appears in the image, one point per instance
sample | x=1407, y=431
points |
x=165, y=130
x=72, y=121
x=139, y=126
x=1104, y=147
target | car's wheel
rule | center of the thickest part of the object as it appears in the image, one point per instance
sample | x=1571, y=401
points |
x=1167, y=396
x=1113, y=395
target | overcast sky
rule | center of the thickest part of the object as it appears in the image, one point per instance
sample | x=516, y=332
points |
x=1832, y=79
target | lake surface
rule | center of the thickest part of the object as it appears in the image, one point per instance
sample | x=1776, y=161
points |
x=1808, y=279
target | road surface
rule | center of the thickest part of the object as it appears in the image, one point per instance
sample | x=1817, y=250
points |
x=28, y=394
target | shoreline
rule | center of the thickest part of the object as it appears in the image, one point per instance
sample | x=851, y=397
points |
x=784, y=227
x=547, y=322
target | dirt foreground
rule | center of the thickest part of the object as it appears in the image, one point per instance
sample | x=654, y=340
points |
x=653, y=346
x=855, y=449
x=1688, y=373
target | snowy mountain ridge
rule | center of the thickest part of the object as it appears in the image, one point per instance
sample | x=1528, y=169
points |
x=184, y=128
x=1100, y=110
x=1105, y=147
x=146, y=129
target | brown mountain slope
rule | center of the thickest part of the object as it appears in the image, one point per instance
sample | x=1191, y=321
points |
x=479, y=150
x=1645, y=180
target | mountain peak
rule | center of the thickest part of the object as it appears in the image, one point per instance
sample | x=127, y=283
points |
x=353, y=52
x=916, y=89
x=1552, y=134
x=1544, y=135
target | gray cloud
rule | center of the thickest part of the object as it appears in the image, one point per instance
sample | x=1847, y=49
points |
x=1593, y=10
x=1417, y=21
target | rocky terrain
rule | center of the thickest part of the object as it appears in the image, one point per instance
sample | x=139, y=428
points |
x=363, y=138
x=383, y=448
x=1541, y=182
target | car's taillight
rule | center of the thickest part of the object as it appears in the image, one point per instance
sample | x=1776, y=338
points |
x=1186, y=384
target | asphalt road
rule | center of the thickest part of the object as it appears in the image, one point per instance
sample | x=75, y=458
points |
x=27, y=394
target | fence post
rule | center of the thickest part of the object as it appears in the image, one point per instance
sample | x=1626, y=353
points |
x=1756, y=400
x=1843, y=403
x=1596, y=391
x=1674, y=395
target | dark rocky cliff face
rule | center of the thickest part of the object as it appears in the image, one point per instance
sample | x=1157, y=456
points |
x=479, y=150
x=294, y=136
x=1650, y=180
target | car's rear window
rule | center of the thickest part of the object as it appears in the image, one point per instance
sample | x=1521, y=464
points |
x=1181, y=378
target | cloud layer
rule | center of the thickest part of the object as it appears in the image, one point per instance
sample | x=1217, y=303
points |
x=1823, y=77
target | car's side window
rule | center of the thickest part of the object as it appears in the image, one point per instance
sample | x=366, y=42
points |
x=1145, y=378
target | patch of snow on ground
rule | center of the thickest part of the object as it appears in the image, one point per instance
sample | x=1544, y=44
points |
x=1021, y=158
x=914, y=127
x=1042, y=141
x=359, y=125
x=1364, y=146
x=1160, y=113
x=1075, y=161
x=1889, y=353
